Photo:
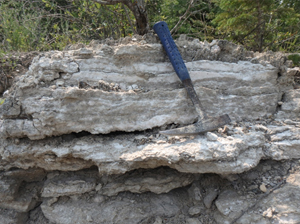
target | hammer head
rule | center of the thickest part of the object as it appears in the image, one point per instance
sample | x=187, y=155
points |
x=202, y=126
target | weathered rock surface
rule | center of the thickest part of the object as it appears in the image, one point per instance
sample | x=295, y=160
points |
x=69, y=184
x=20, y=190
x=158, y=181
x=125, y=208
x=11, y=216
x=133, y=88
x=116, y=155
x=146, y=93
x=279, y=206
x=79, y=139
x=240, y=151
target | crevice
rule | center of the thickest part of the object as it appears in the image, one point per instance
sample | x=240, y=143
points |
x=297, y=80
x=36, y=215
x=61, y=73
x=23, y=115
x=146, y=132
x=78, y=68
x=280, y=102
x=81, y=134
x=297, y=77
x=279, y=75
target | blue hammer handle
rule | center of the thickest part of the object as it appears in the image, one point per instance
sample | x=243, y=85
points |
x=163, y=32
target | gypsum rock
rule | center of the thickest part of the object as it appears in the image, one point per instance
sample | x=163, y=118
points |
x=60, y=94
x=119, y=154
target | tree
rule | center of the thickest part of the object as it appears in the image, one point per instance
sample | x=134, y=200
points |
x=138, y=8
x=192, y=17
x=257, y=24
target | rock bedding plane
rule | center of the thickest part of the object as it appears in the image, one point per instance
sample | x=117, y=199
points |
x=80, y=142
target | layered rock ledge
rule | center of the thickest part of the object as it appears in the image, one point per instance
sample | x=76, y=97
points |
x=81, y=127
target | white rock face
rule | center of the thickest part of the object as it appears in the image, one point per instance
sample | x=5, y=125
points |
x=121, y=154
x=236, y=153
x=131, y=88
x=79, y=133
x=61, y=93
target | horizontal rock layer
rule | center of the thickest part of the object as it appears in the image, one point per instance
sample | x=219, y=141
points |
x=130, y=88
x=240, y=150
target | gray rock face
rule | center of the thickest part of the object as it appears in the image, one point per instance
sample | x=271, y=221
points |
x=157, y=181
x=282, y=206
x=11, y=216
x=132, y=88
x=123, y=209
x=124, y=153
x=145, y=93
x=240, y=151
x=79, y=139
x=19, y=192
x=230, y=204
x=68, y=184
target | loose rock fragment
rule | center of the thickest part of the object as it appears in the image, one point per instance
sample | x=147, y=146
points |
x=263, y=187
x=196, y=210
x=230, y=204
x=211, y=136
x=193, y=221
x=268, y=213
x=210, y=196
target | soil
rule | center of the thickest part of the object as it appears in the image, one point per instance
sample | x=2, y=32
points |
x=12, y=66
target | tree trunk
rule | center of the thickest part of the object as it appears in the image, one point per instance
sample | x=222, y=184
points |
x=261, y=27
x=138, y=8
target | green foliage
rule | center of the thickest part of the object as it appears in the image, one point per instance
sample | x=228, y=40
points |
x=53, y=24
x=259, y=25
x=295, y=58
x=19, y=27
x=7, y=65
x=2, y=100
x=191, y=19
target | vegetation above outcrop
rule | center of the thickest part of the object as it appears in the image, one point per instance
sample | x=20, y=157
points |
x=53, y=24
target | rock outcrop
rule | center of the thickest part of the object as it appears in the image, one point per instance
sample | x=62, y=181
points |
x=80, y=142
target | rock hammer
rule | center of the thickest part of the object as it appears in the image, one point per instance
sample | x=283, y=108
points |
x=205, y=123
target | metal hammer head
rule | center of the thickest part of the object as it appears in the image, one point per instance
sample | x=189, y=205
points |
x=209, y=124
